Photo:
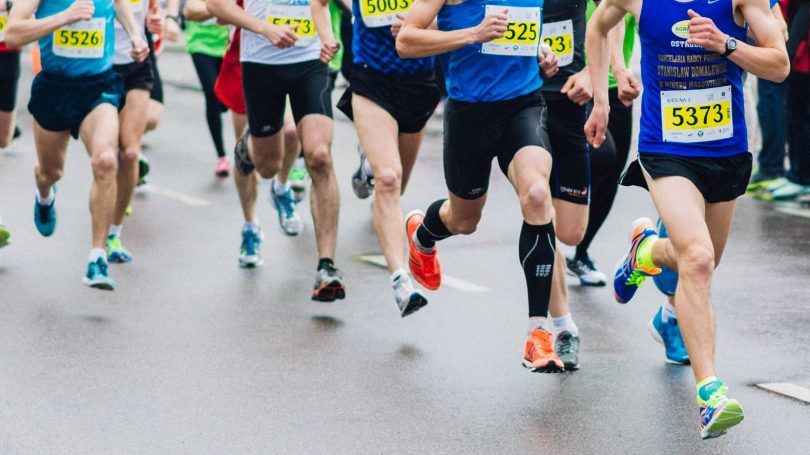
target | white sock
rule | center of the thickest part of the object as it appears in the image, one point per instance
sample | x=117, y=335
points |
x=667, y=311
x=96, y=254
x=115, y=231
x=251, y=225
x=299, y=162
x=398, y=275
x=46, y=200
x=280, y=188
x=538, y=324
x=367, y=167
x=565, y=324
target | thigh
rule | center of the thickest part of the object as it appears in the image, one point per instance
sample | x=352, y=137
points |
x=99, y=129
x=409, y=144
x=51, y=146
x=133, y=117
x=9, y=77
x=265, y=99
x=207, y=68
x=378, y=133
x=525, y=132
x=682, y=209
x=315, y=132
x=469, y=148
x=570, y=181
x=309, y=91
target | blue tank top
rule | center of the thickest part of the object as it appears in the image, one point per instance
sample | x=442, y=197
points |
x=80, y=49
x=373, y=44
x=693, y=98
x=495, y=71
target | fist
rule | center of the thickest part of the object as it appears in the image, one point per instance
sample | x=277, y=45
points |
x=492, y=27
x=80, y=10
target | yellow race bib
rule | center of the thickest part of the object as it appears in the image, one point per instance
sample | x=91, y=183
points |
x=83, y=39
x=689, y=116
x=559, y=36
x=382, y=13
x=293, y=15
x=3, y=23
x=522, y=37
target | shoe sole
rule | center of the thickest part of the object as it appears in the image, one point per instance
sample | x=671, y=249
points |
x=222, y=174
x=250, y=264
x=730, y=416
x=118, y=259
x=329, y=292
x=550, y=367
x=582, y=281
x=102, y=285
x=657, y=337
x=415, y=304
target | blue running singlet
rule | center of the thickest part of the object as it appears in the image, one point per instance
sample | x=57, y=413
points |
x=500, y=70
x=80, y=49
x=693, y=98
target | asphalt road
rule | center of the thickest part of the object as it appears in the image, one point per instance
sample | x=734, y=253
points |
x=193, y=355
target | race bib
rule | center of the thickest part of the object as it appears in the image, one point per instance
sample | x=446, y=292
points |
x=690, y=116
x=559, y=36
x=3, y=23
x=83, y=39
x=522, y=37
x=293, y=15
x=382, y=13
x=136, y=6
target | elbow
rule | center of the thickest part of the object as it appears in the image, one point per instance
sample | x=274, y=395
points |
x=780, y=71
x=12, y=40
x=404, y=49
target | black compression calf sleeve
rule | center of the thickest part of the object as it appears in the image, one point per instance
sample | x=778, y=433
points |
x=537, y=253
x=432, y=229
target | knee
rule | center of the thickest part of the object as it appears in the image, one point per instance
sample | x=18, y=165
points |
x=572, y=235
x=388, y=181
x=319, y=160
x=51, y=175
x=104, y=164
x=536, y=200
x=129, y=155
x=267, y=168
x=696, y=263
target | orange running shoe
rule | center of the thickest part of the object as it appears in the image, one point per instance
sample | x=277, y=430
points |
x=539, y=355
x=425, y=267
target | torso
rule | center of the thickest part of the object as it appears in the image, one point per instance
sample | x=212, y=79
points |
x=255, y=48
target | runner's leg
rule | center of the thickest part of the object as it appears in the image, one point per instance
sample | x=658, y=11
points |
x=316, y=138
x=99, y=132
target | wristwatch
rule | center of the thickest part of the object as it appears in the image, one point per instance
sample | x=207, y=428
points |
x=731, y=46
x=176, y=19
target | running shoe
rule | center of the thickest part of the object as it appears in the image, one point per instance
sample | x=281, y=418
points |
x=249, y=255
x=223, y=167
x=539, y=356
x=362, y=183
x=586, y=271
x=288, y=219
x=424, y=267
x=97, y=276
x=567, y=348
x=667, y=280
x=5, y=235
x=669, y=334
x=408, y=298
x=778, y=183
x=241, y=156
x=328, y=285
x=298, y=181
x=719, y=413
x=116, y=251
x=17, y=132
x=45, y=217
x=630, y=275
x=761, y=180
x=789, y=191
x=143, y=167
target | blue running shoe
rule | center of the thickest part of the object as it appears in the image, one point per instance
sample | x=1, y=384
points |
x=719, y=413
x=249, y=255
x=45, y=217
x=669, y=334
x=97, y=276
x=629, y=273
x=116, y=251
x=288, y=219
x=667, y=280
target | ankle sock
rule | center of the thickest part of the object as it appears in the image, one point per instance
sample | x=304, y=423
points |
x=565, y=324
x=667, y=311
x=280, y=188
x=707, y=387
x=115, y=230
x=326, y=263
x=48, y=200
x=96, y=254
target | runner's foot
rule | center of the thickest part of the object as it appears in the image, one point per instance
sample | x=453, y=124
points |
x=328, y=285
x=223, y=167
x=362, y=180
x=538, y=354
x=298, y=180
x=424, y=266
x=249, y=253
x=288, y=219
x=97, y=276
x=669, y=334
x=45, y=217
x=408, y=298
x=116, y=251
x=718, y=413
x=631, y=273
x=584, y=269
x=5, y=235
x=567, y=349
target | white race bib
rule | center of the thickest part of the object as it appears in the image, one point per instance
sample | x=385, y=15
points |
x=689, y=116
x=559, y=36
x=382, y=13
x=83, y=39
x=136, y=6
x=293, y=15
x=522, y=36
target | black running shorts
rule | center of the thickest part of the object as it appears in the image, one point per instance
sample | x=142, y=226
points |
x=267, y=87
x=570, y=174
x=411, y=100
x=475, y=133
x=718, y=179
x=9, y=76
x=137, y=75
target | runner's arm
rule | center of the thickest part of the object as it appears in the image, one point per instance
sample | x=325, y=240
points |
x=123, y=14
x=282, y=36
x=24, y=28
x=628, y=86
x=197, y=11
x=417, y=39
x=322, y=20
x=172, y=27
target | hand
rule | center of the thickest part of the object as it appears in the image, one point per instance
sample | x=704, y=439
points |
x=80, y=10
x=491, y=28
x=397, y=25
x=328, y=50
x=139, y=50
x=154, y=22
x=281, y=36
x=705, y=34
x=547, y=60
x=783, y=27
x=171, y=31
x=578, y=87
x=628, y=85
x=596, y=126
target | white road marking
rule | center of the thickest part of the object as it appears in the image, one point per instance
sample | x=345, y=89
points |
x=788, y=390
x=803, y=213
x=176, y=195
x=449, y=281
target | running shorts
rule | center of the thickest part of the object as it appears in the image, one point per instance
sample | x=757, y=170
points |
x=59, y=103
x=266, y=89
x=411, y=100
x=570, y=174
x=475, y=133
x=719, y=179
x=9, y=77
x=137, y=75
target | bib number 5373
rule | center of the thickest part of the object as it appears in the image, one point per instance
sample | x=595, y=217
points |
x=691, y=116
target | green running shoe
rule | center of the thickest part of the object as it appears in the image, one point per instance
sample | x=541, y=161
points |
x=4, y=236
x=116, y=251
x=298, y=181
x=719, y=413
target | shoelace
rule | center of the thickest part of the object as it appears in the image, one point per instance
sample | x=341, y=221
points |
x=287, y=204
x=717, y=395
x=44, y=213
x=636, y=278
x=567, y=344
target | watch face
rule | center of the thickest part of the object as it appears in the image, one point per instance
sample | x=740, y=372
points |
x=731, y=44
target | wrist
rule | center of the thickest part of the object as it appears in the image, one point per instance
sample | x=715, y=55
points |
x=174, y=18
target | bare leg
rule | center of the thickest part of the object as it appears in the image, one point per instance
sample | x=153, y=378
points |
x=316, y=138
x=154, y=115
x=292, y=148
x=7, y=123
x=133, y=126
x=51, y=151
